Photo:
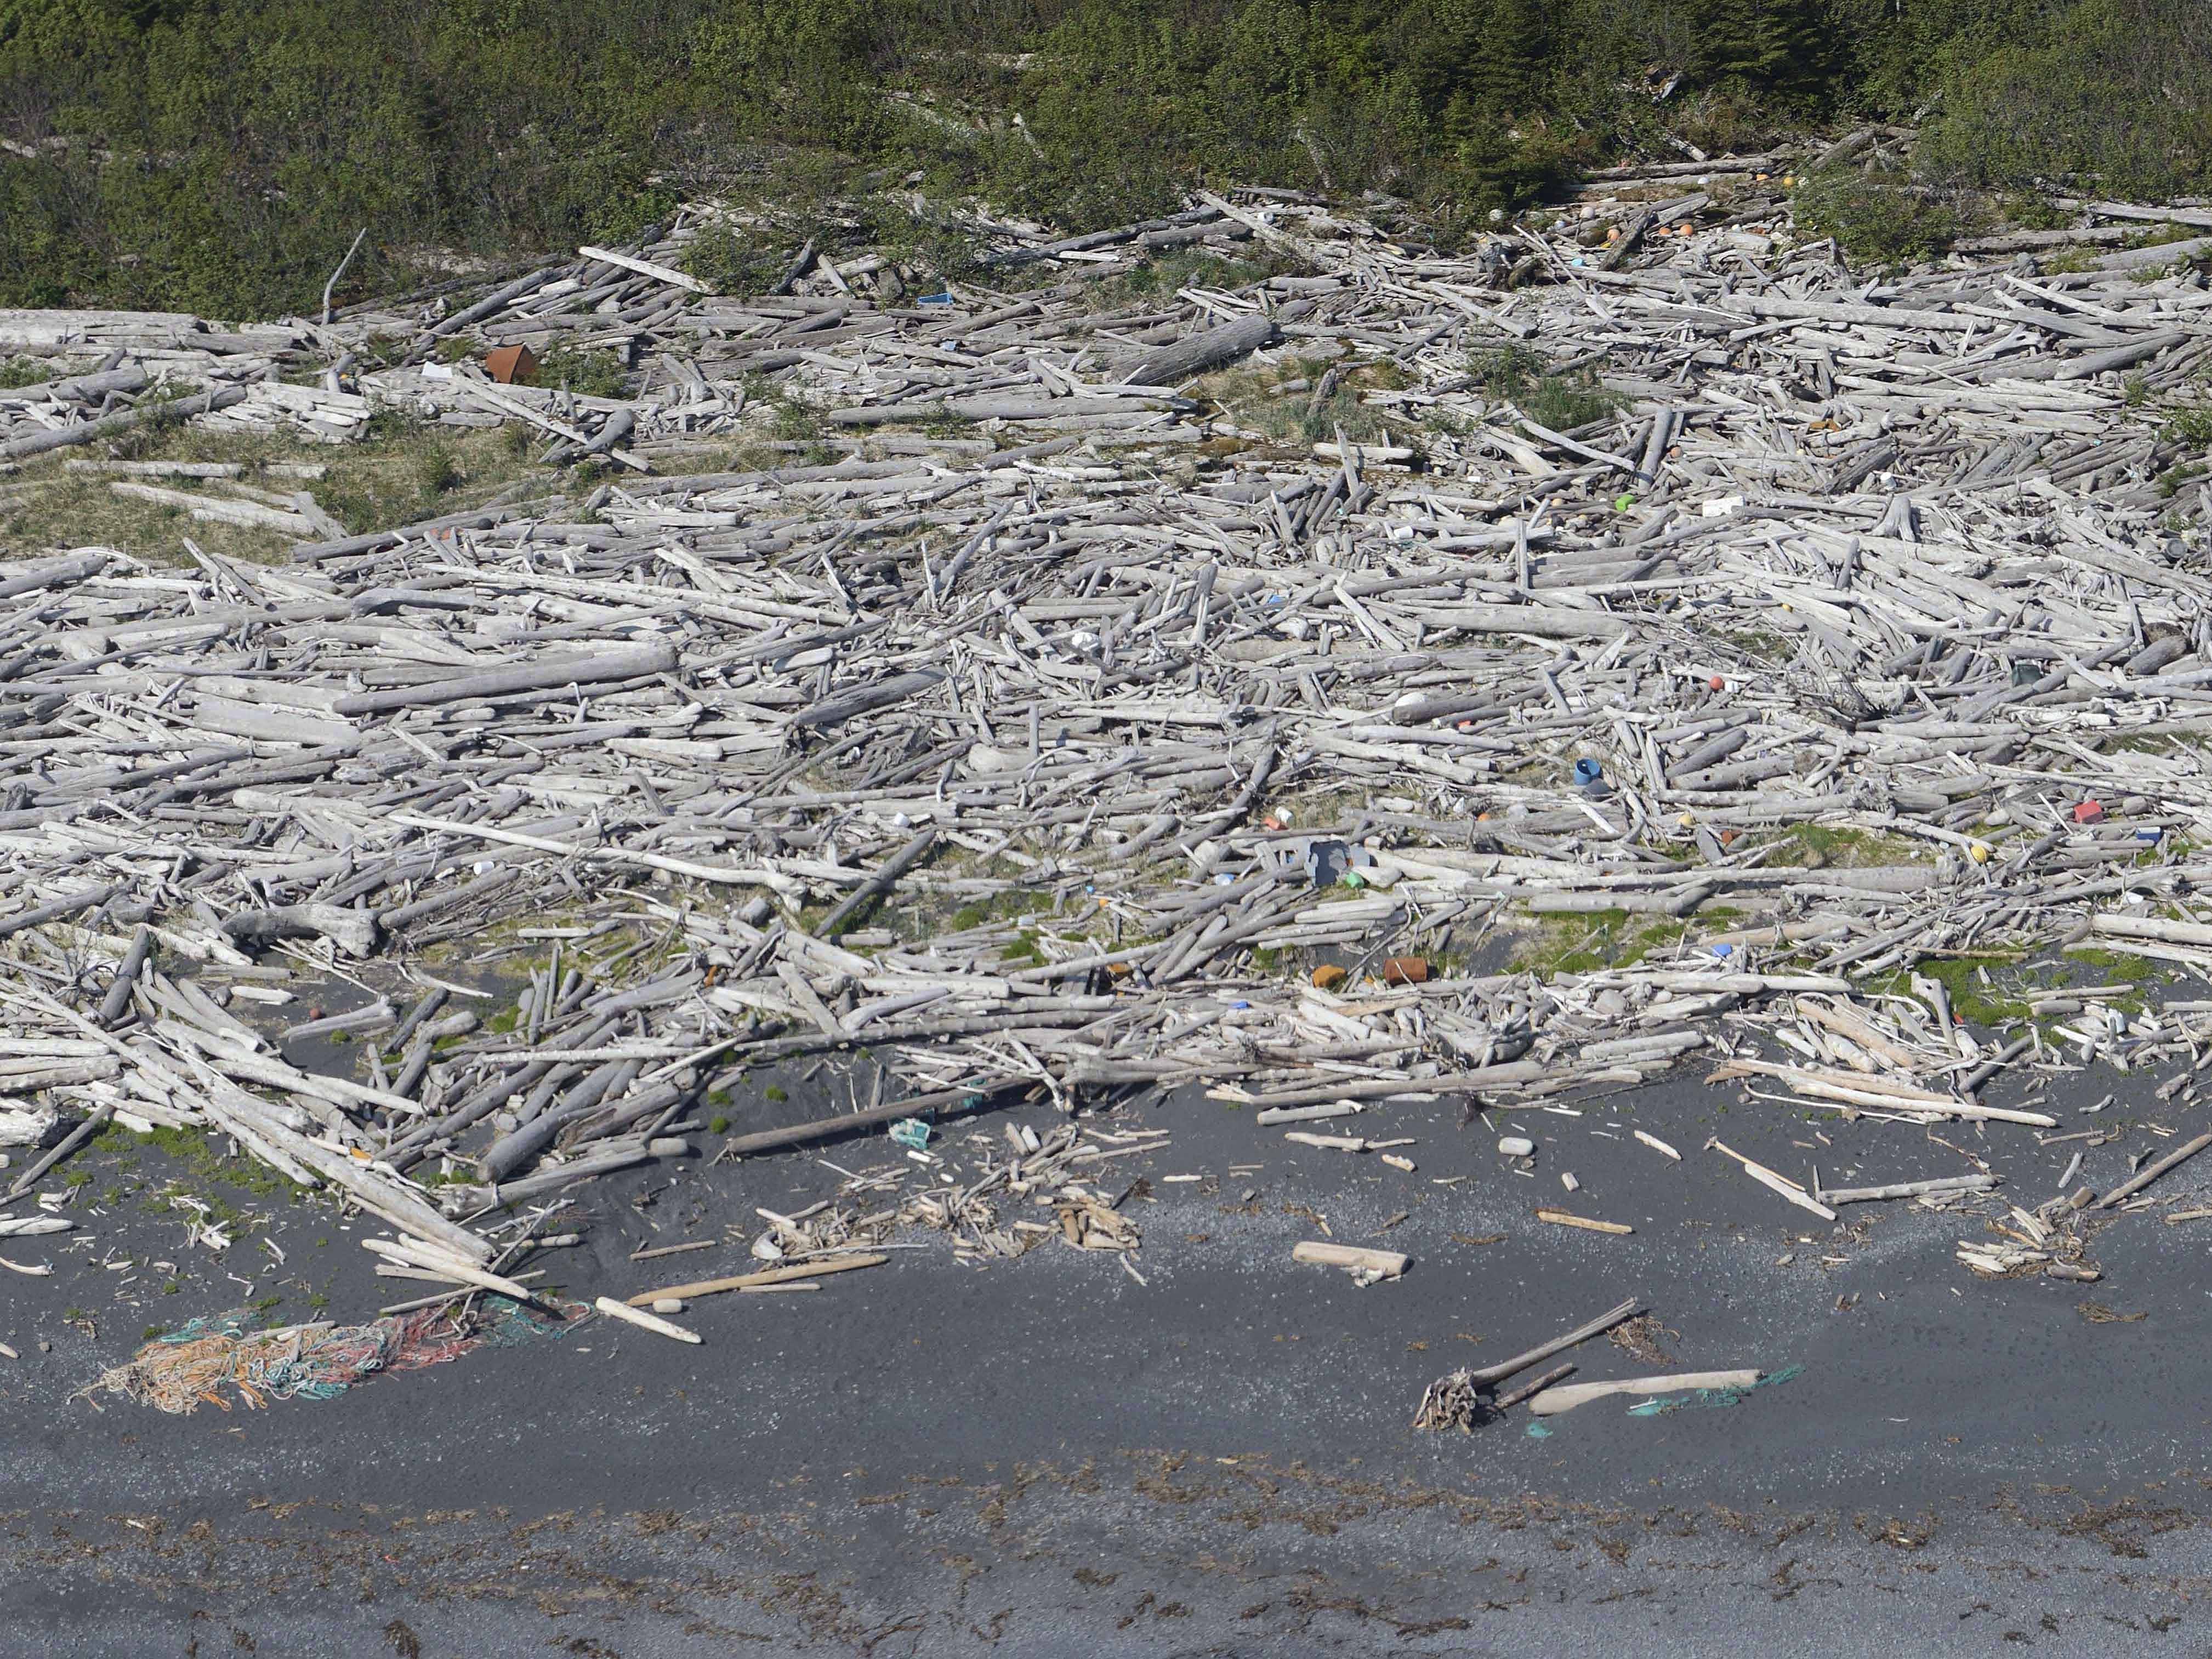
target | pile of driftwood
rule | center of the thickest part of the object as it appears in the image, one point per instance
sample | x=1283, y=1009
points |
x=1044, y=741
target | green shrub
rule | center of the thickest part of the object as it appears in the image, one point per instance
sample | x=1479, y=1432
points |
x=734, y=262
x=220, y=155
x=2117, y=92
x=2190, y=426
x=588, y=373
x=437, y=471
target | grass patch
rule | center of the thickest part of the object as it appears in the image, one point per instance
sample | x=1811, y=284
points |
x=1561, y=401
x=587, y=372
x=1010, y=905
x=1283, y=403
x=1822, y=847
x=1161, y=278
x=403, y=470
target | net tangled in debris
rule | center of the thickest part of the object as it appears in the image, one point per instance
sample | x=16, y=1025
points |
x=190, y=1366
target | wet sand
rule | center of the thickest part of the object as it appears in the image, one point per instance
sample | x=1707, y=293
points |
x=1046, y=1458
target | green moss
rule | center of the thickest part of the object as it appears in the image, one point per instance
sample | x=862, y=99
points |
x=208, y=1171
x=1604, y=939
x=718, y=1125
x=2119, y=965
x=774, y=1092
x=1989, y=1005
x=1819, y=846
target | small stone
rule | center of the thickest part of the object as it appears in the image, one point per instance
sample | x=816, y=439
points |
x=1516, y=1146
x=668, y=1305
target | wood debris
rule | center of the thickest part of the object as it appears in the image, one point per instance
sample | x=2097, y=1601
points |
x=1873, y=612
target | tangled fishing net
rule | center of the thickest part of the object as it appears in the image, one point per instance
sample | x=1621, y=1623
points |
x=179, y=1372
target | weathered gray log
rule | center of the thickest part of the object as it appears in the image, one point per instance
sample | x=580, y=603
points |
x=76, y=1138
x=2121, y=356
x=83, y=388
x=406, y=915
x=354, y=932
x=422, y=1011
x=1544, y=621
x=942, y=1102
x=40, y=443
x=2148, y=258
x=117, y=1002
x=990, y=409
x=64, y=573
x=1198, y=353
x=841, y=706
x=1655, y=448
x=526, y=1140
x=58, y=909
x=479, y=518
x=1632, y=234
x=631, y=665
x=491, y=302
x=882, y=882
x=2128, y=1189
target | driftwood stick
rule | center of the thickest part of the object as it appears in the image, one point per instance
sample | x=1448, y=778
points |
x=1521, y=1391
x=1598, y=1326
x=40, y=443
x=828, y=1128
x=1566, y=1398
x=882, y=882
x=1390, y=1264
x=76, y=1138
x=2130, y=1187
x=118, y=1001
x=767, y=1276
x=1972, y=1183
